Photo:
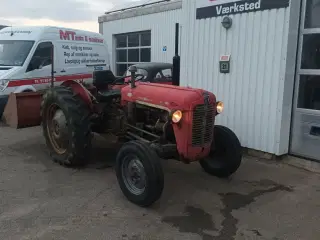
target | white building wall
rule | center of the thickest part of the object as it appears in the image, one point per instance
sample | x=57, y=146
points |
x=253, y=92
x=162, y=26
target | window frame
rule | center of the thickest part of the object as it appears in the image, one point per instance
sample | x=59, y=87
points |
x=300, y=71
x=127, y=48
x=33, y=54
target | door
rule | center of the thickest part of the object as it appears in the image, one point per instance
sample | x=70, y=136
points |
x=305, y=135
x=39, y=67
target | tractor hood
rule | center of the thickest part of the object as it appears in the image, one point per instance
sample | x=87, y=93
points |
x=168, y=97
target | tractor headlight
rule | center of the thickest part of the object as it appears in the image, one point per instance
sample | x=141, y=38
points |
x=220, y=107
x=176, y=116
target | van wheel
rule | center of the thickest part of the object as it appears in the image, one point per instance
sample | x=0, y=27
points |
x=139, y=173
x=66, y=126
x=226, y=155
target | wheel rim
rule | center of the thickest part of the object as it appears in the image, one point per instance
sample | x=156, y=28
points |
x=57, y=129
x=133, y=174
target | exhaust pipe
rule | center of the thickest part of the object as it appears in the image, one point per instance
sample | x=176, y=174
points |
x=176, y=60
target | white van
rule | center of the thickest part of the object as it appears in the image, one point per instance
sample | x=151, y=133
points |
x=25, y=57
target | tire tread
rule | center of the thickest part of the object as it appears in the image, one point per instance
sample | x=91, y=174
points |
x=234, y=146
x=78, y=118
x=153, y=168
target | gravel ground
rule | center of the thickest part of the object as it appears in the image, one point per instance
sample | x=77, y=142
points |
x=42, y=200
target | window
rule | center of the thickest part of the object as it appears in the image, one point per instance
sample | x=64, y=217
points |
x=145, y=54
x=165, y=75
x=312, y=19
x=132, y=48
x=310, y=58
x=14, y=52
x=309, y=94
x=41, y=57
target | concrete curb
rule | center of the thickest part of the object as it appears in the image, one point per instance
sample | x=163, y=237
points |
x=308, y=165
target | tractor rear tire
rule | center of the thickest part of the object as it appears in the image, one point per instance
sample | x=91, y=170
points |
x=75, y=131
x=148, y=165
x=226, y=156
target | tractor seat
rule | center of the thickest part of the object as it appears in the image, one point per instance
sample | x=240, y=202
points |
x=101, y=79
x=108, y=94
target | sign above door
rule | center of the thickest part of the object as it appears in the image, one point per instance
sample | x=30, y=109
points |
x=217, y=8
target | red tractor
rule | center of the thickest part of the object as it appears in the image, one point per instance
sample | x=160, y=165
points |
x=151, y=121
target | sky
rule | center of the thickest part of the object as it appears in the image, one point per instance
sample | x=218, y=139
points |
x=80, y=14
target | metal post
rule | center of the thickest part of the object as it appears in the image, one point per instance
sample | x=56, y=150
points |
x=52, y=66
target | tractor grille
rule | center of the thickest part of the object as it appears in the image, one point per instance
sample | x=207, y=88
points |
x=202, y=125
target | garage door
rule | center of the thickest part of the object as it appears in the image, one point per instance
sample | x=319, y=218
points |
x=132, y=48
x=306, y=116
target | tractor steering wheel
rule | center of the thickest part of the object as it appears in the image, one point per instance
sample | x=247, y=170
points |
x=115, y=82
x=138, y=78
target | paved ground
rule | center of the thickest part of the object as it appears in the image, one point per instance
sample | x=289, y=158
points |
x=40, y=200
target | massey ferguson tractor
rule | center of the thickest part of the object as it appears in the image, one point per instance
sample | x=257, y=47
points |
x=151, y=121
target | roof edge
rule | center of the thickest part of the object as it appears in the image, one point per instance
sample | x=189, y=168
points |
x=143, y=10
x=45, y=27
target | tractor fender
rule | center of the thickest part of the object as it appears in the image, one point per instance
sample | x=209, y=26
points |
x=78, y=88
x=26, y=88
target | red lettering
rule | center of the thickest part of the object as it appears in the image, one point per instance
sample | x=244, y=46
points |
x=65, y=35
x=73, y=34
x=96, y=40
x=79, y=38
x=70, y=35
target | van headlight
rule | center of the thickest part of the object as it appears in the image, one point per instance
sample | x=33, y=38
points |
x=3, y=84
x=220, y=107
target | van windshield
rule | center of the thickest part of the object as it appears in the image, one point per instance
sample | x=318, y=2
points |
x=14, y=52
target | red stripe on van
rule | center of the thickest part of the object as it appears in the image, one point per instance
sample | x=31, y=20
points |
x=35, y=81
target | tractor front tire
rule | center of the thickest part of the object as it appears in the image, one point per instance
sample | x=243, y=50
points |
x=66, y=126
x=139, y=173
x=226, y=155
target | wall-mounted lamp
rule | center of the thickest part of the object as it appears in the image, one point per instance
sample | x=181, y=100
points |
x=227, y=22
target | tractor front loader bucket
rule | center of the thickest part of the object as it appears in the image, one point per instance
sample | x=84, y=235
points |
x=23, y=110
